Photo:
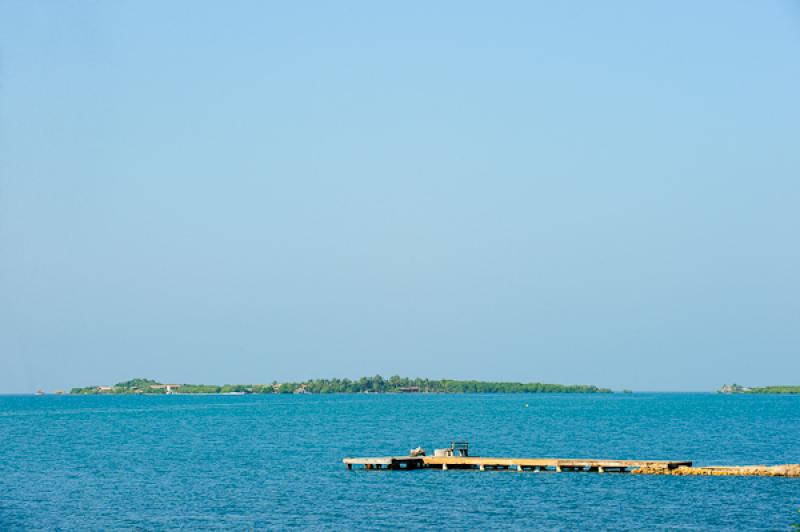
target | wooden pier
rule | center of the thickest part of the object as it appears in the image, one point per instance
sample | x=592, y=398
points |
x=518, y=464
x=387, y=462
x=457, y=457
x=547, y=464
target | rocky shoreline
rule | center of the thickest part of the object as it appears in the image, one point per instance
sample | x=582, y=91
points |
x=783, y=470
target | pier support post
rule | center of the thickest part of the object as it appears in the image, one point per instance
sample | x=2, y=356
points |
x=601, y=469
x=558, y=468
x=482, y=467
x=519, y=468
x=444, y=467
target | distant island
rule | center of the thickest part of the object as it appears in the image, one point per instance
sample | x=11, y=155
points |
x=736, y=388
x=375, y=384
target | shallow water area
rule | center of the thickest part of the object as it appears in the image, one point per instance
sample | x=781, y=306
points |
x=274, y=461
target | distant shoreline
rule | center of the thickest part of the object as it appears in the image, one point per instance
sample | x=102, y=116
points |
x=379, y=385
x=772, y=390
x=229, y=394
x=364, y=385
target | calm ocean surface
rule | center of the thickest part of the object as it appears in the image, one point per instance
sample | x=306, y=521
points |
x=274, y=462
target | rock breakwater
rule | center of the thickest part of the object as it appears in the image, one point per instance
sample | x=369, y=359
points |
x=783, y=470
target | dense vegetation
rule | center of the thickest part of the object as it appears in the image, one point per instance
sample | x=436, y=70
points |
x=736, y=388
x=149, y=386
x=396, y=383
x=775, y=389
x=376, y=384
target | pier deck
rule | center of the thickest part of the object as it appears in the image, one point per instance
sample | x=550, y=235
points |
x=387, y=462
x=520, y=464
x=547, y=464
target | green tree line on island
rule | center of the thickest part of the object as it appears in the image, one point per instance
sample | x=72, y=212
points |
x=775, y=389
x=376, y=384
x=737, y=388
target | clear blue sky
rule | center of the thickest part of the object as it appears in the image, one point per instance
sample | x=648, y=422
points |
x=576, y=192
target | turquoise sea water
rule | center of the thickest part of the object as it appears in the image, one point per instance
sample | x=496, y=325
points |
x=274, y=462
